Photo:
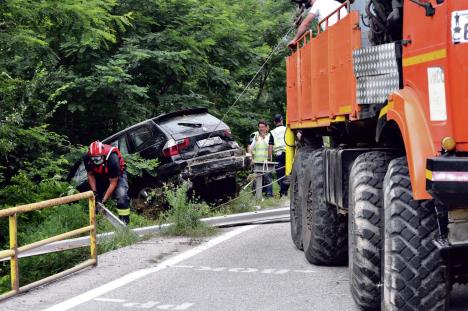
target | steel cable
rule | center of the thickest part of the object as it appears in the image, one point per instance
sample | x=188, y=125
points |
x=273, y=52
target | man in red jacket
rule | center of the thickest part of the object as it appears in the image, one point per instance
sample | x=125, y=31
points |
x=107, y=176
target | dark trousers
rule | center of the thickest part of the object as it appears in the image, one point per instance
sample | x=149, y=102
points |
x=120, y=193
x=280, y=172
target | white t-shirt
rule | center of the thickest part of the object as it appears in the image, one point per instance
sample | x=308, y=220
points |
x=323, y=8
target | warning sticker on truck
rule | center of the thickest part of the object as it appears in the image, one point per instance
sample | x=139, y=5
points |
x=460, y=27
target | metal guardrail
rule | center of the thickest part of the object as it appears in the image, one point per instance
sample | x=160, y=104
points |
x=15, y=251
x=262, y=216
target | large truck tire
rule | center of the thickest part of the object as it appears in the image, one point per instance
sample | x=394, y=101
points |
x=415, y=277
x=296, y=194
x=364, y=223
x=324, y=231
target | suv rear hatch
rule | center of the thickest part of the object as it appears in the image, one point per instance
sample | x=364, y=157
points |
x=196, y=134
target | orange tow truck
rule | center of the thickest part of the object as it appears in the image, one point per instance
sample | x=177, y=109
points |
x=377, y=118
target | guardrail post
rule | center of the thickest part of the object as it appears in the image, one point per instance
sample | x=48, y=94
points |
x=258, y=185
x=92, y=233
x=14, y=270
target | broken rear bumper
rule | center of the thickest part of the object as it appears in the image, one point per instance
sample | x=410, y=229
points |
x=219, y=163
x=220, y=166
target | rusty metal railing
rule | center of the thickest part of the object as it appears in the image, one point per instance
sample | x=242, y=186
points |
x=15, y=250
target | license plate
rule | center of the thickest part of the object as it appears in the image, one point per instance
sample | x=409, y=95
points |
x=459, y=27
x=209, y=142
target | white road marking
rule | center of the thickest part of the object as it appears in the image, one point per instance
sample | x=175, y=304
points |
x=147, y=305
x=182, y=266
x=249, y=270
x=183, y=306
x=131, y=277
x=304, y=271
x=203, y=268
x=110, y=300
x=243, y=270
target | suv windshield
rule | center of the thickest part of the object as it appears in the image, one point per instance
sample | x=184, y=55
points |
x=183, y=123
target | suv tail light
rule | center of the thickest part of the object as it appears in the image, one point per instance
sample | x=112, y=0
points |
x=183, y=143
x=173, y=148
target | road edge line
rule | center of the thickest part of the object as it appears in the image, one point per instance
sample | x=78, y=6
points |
x=133, y=276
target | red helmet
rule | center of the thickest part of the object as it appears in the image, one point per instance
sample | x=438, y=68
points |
x=97, y=152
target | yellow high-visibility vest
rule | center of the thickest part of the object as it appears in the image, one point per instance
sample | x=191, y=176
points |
x=260, y=150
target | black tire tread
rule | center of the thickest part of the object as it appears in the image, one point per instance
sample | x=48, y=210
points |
x=326, y=241
x=366, y=202
x=415, y=275
x=296, y=197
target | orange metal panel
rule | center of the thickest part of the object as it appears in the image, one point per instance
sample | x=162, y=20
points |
x=431, y=46
x=319, y=69
x=344, y=37
x=320, y=75
x=291, y=87
x=417, y=58
x=406, y=110
x=457, y=86
x=306, y=80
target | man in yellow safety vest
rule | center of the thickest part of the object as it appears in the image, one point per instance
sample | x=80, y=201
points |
x=262, y=150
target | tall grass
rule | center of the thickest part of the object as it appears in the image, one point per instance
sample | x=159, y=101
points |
x=185, y=214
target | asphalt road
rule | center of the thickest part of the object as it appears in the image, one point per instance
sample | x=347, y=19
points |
x=246, y=268
x=258, y=269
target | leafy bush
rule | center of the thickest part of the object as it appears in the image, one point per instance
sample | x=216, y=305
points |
x=136, y=166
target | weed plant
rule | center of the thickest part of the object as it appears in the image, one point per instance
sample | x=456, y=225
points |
x=122, y=237
x=184, y=214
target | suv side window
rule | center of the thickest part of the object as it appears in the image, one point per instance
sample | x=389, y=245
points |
x=120, y=143
x=123, y=147
x=141, y=137
x=159, y=138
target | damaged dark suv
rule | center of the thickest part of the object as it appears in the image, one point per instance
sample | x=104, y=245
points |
x=189, y=144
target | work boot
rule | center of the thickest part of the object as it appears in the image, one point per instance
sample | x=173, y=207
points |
x=125, y=219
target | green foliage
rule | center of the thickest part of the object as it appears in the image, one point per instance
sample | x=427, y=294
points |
x=76, y=71
x=4, y=279
x=184, y=214
x=91, y=68
x=136, y=165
